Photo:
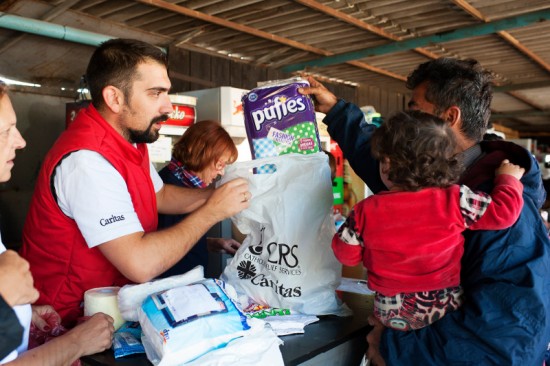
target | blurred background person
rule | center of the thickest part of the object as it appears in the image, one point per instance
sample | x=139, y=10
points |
x=92, y=336
x=198, y=159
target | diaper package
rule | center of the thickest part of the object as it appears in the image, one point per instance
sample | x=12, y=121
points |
x=184, y=323
x=130, y=297
x=127, y=340
x=279, y=120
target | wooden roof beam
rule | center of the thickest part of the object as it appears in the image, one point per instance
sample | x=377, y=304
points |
x=467, y=7
x=533, y=85
x=522, y=113
x=464, y=5
x=462, y=33
x=360, y=24
x=161, y=4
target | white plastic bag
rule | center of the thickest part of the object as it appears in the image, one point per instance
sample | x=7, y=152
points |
x=260, y=346
x=286, y=260
x=130, y=297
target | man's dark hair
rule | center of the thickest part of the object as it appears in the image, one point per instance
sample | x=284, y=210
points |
x=115, y=63
x=421, y=149
x=463, y=83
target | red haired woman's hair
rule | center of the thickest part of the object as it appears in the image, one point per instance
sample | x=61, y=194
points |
x=203, y=144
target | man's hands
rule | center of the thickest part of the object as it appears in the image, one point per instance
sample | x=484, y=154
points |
x=229, y=199
x=324, y=99
x=16, y=283
x=222, y=245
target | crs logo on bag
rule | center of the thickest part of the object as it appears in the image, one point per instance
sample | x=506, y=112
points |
x=282, y=261
x=278, y=253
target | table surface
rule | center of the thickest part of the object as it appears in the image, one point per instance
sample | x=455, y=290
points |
x=319, y=337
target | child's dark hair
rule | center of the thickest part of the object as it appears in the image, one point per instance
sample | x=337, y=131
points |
x=421, y=149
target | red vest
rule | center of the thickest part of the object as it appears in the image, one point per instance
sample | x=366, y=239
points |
x=62, y=264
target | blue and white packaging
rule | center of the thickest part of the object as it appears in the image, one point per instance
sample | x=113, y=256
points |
x=127, y=340
x=181, y=324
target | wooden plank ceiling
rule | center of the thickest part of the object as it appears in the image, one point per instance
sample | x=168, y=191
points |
x=283, y=33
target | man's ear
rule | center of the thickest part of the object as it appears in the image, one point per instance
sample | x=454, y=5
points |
x=385, y=165
x=453, y=115
x=114, y=98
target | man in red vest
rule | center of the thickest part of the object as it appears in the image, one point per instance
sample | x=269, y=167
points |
x=93, y=217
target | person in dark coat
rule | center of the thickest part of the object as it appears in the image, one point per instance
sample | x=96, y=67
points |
x=505, y=274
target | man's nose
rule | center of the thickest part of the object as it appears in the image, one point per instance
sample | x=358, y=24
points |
x=19, y=140
x=166, y=107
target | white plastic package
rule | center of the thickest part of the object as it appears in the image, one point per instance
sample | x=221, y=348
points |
x=184, y=323
x=130, y=297
x=258, y=347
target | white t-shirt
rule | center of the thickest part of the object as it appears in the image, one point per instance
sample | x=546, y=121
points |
x=93, y=193
x=24, y=314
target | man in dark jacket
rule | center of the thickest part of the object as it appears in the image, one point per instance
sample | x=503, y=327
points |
x=505, y=319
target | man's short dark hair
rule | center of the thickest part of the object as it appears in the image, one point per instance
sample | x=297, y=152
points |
x=115, y=63
x=421, y=149
x=463, y=83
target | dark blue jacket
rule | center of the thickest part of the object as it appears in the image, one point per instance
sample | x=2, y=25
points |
x=198, y=255
x=11, y=331
x=505, y=319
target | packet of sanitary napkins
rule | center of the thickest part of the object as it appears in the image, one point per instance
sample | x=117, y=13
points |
x=130, y=297
x=279, y=120
x=184, y=323
x=258, y=347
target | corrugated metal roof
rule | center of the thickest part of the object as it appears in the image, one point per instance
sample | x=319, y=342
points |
x=278, y=33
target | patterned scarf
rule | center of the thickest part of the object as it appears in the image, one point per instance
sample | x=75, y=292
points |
x=186, y=178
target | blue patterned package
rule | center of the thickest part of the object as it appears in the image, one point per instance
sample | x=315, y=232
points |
x=279, y=120
x=186, y=322
x=127, y=340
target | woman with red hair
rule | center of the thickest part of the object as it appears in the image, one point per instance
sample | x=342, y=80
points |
x=198, y=159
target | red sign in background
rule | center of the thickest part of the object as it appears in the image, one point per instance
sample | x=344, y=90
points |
x=182, y=115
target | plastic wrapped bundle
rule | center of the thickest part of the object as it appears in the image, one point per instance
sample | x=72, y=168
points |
x=279, y=120
x=186, y=322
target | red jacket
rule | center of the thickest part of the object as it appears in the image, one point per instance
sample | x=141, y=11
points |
x=62, y=264
x=413, y=242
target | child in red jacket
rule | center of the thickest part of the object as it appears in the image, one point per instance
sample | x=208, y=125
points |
x=410, y=237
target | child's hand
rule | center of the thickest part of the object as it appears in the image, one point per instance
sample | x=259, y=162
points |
x=508, y=168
